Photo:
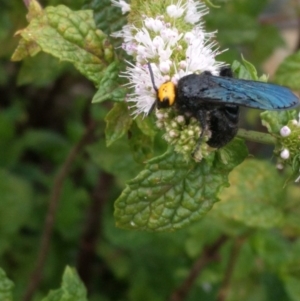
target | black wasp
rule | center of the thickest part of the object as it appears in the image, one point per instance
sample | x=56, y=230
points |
x=214, y=100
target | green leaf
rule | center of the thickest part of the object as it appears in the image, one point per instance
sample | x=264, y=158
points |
x=292, y=210
x=228, y=32
x=271, y=247
x=274, y=41
x=146, y=125
x=245, y=70
x=274, y=121
x=233, y=153
x=292, y=287
x=289, y=271
x=251, y=8
x=68, y=221
x=6, y=287
x=256, y=209
x=110, y=85
x=69, y=36
x=171, y=193
x=118, y=122
x=210, y=4
x=288, y=73
x=141, y=145
x=72, y=289
x=251, y=69
x=10, y=148
x=48, y=68
x=47, y=143
x=15, y=205
x=118, y=159
x=103, y=11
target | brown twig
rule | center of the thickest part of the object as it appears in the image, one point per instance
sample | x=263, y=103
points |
x=236, y=248
x=36, y=276
x=298, y=42
x=208, y=255
x=87, y=251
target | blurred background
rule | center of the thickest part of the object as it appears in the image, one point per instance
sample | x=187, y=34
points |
x=52, y=140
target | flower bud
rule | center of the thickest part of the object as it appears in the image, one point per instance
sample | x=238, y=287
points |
x=285, y=131
x=191, y=133
x=294, y=122
x=173, y=134
x=180, y=119
x=285, y=154
x=159, y=115
x=279, y=166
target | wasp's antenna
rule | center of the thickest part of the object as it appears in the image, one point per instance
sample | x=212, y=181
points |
x=152, y=77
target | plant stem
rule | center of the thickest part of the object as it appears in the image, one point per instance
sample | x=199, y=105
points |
x=87, y=257
x=209, y=254
x=225, y=286
x=36, y=277
x=256, y=136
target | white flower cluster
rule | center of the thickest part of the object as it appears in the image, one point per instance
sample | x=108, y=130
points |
x=184, y=137
x=173, y=52
x=285, y=131
x=290, y=151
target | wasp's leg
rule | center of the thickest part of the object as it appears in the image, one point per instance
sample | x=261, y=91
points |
x=223, y=124
x=202, y=118
x=226, y=72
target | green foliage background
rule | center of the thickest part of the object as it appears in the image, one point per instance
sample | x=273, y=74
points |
x=46, y=109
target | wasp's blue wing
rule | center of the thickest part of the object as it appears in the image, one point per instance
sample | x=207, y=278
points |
x=248, y=93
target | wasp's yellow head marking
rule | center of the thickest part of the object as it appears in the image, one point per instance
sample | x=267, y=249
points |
x=166, y=94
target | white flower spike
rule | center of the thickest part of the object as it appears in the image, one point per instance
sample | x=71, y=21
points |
x=172, y=49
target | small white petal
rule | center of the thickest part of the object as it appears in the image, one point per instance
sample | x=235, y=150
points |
x=182, y=64
x=166, y=78
x=149, y=23
x=141, y=50
x=125, y=7
x=285, y=131
x=130, y=48
x=164, y=67
x=144, y=94
x=195, y=11
x=285, y=154
x=170, y=35
x=164, y=55
x=201, y=57
x=158, y=42
x=154, y=24
x=189, y=36
x=175, y=11
x=158, y=25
